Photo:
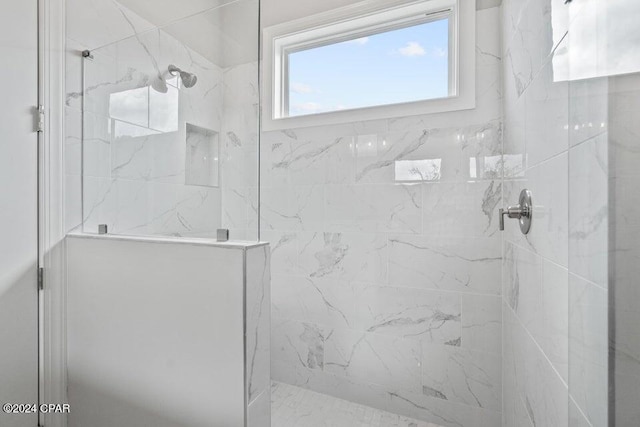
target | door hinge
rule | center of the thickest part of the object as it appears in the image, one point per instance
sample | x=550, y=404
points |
x=40, y=278
x=40, y=119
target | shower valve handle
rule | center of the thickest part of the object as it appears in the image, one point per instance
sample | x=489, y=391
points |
x=522, y=212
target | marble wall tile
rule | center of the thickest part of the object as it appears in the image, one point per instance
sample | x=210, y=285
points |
x=150, y=157
x=481, y=322
x=452, y=264
x=514, y=138
x=537, y=291
x=258, y=323
x=589, y=210
x=293, y=208
x=388, y=361
x=73, y=73
x=540, y=387
x=72, y=141
x=99, y=22
x=548, y=183
x=454, y=210
x=289, y=159
x=461, y=375
x=547, y=113
x=488, y=43
x=374, y=208
x=423, y=315
x=588, y=349
x=324, y=301
x=346, y=256
x=284, y=251
x=299, y=344
x=390, y=246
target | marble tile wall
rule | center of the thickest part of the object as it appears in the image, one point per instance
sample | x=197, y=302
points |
x=257, y=336
x=386, y=255
x=131, y=171
x=554, y=278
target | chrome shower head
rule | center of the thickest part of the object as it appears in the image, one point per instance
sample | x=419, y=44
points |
x=188, y=79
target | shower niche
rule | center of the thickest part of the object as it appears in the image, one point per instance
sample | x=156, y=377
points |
x=202, y=156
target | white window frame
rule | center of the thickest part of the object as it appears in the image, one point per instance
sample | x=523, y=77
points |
x=360, y=20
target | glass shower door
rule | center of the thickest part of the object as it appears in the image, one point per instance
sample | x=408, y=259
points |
x=170, y=129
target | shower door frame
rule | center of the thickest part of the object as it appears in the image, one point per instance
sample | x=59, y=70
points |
x=51, y=228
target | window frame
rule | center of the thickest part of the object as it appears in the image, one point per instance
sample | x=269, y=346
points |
x=361, y=20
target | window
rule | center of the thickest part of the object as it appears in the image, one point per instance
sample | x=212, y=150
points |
x=361, y=64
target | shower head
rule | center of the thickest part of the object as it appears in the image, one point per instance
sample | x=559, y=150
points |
x=188, y=79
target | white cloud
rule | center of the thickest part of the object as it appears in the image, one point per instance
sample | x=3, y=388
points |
x=412, y=49
x=301, y=88
x=360, y=41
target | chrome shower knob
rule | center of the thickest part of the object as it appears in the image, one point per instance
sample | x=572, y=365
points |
x=523, y=212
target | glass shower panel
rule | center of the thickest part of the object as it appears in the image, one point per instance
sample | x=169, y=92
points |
x=604, y=348
x=170, y=128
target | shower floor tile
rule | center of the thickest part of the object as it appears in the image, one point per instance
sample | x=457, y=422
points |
x=298, y=407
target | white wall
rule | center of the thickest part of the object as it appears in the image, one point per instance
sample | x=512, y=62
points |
x=156, y=332
x=18, y=210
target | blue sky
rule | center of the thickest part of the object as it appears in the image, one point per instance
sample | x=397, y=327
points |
x=404, y=65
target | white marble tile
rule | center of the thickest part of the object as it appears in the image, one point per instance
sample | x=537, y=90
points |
x=292, y=208
x=300, y=344
x=347, y=256
x=258, y=323
x=391, y=362
x=151, y=156
x=417, y=314
x=452, y=264
x=548, y=183
x=537, y=291
x=589, y=349
x=547, y=113
x=374, y=208
x=72, y=141
x=73, y=73
x=72, y=201
x=100, y=22
x=96, y=146
x=514, y=137
x=325, y=301
x=589, y=210
x=461, y=375
x=455, y=210
x=481, y=323
x=288, y=159
x=538, y=384
x=488, y=43
x=284, y=251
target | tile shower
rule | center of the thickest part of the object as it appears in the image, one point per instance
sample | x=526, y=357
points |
x=392, y=287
